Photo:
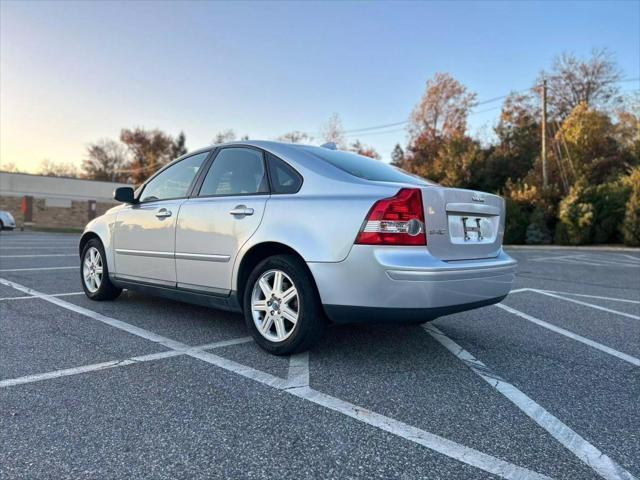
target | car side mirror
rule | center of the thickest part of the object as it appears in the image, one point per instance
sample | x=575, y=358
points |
x=124, y=195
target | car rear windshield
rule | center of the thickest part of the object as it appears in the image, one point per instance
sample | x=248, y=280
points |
x=365, y=167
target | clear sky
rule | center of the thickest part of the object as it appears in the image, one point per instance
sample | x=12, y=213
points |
x=72, y=73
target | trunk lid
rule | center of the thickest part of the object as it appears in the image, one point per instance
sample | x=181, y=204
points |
x=463, y=224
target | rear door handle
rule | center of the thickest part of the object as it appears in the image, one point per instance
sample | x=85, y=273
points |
x=241, y=210
x=163, y=213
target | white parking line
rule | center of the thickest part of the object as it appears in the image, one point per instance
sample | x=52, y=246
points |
x=115, y=363
x=597, y=307
x=584, y=259
x=38, y=269
x=580, y=447
x=28, y=297
x=574, y=336
x=298, y=375
x=43, y=255
x=439, y=444
x=598, y=297
x=436, y=443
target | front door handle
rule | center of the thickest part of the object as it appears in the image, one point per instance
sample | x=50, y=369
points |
x=241, y=210
x=163, y=213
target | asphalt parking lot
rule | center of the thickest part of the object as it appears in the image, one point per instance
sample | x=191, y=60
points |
x=545, y=384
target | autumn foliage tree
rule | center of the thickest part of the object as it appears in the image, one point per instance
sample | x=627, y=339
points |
x=149, y=150
x=440, y=148
x=106, y=160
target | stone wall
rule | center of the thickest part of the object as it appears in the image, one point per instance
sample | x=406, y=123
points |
x=69, y=214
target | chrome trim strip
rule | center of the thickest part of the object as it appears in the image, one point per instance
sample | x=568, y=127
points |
x=202, y=256
x=472, y=208
x=462, y=274
x=144, y=253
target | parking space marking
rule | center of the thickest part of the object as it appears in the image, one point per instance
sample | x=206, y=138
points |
x=28, y=297
x=117, y=363
x=589, y=260
x=574, y=336
x=41, y=255
x=434, y=442
x=298, y=375
x=581, y=448
x=429, y=440
x=579, y=302
x=598, y=297
x=38, y=269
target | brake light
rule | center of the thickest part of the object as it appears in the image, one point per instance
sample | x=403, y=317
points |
x=397, y=220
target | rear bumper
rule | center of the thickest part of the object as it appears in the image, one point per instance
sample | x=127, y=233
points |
x=375, y=284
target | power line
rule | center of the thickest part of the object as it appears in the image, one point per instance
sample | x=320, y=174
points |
x=483, y=102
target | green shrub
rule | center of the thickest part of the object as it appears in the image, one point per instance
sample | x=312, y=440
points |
x=609, y=201
x=538, y=232
x=631, y=224
x=576, y=216
x=517, y=221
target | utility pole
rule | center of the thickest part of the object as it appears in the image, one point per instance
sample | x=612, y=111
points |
x=543, y=154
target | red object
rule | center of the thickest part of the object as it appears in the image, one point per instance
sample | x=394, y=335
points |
x=23, y=206
x=404, y=206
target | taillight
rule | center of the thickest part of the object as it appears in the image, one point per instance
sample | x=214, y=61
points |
x=397, y=220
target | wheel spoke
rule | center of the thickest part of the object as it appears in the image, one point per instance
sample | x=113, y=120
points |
x=266, y=325
x=277, y=282
x=92, y=255
x=98, y=280
x=280, y=330
x=265, y=287
x=99, y=270
x=289, y=314
x=289, y=295
x=260, y=305
x=87, y=275
x=87, y=263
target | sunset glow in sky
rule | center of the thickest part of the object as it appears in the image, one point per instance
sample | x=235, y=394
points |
x=72, y=73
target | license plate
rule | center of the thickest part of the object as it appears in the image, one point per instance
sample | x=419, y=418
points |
x=472, y=229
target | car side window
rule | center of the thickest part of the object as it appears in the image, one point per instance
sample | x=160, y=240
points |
x=174, y=182
x=284, y=179
x=236, y=171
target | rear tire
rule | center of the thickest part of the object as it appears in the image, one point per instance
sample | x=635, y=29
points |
x=282, y=307
x=94, y=273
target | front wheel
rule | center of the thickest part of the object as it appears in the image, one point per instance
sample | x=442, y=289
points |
x=282, y=308
x=94, y=273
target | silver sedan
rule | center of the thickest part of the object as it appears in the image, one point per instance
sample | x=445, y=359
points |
x=297, y=236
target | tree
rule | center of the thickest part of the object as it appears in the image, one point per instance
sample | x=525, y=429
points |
x=224, y=136
x=333, y=132
x=53, y=169
x=518, y=133
x=150, y=150
x=365, y=150
x=397, y=156
x=106, y=160
x=10, y=168
x=572, y=81
x=296, y=137
x=179, y=147
x=442, y=112
x=440, y=149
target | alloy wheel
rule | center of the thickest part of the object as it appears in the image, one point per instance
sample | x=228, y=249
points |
x=92, y=269
x=275, y=305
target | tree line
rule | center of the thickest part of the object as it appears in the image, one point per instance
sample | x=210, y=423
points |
x=593, y=151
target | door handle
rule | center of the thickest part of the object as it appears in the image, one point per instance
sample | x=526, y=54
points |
x=163, y=213
x=241, y=210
